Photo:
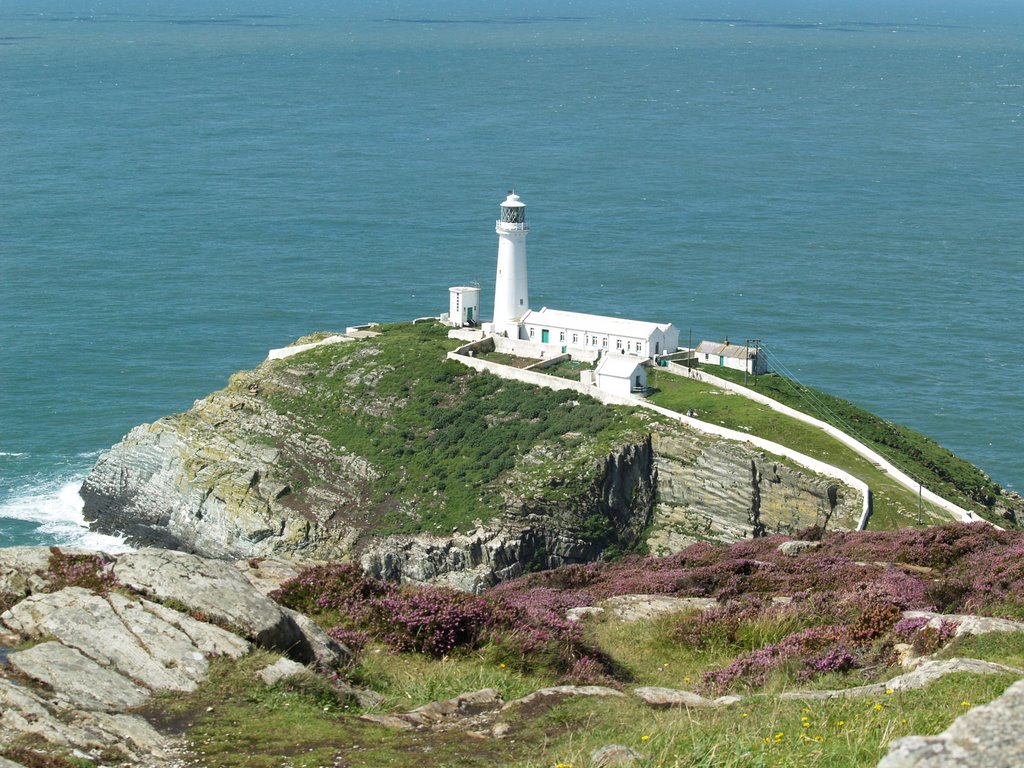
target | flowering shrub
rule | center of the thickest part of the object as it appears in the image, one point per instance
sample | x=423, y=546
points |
x=812, y=649
x=429, y=620
x=930, y=639
x=522, y=628
x=85, y=571
x=844, y=602
x=905, y=629
x=352, y=639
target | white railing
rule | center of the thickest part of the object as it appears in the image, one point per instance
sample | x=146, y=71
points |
x=511, y=226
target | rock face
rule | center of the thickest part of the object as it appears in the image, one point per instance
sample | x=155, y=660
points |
x=97, y=655
x=232, y=478
x=723, y=491
x=985, y=736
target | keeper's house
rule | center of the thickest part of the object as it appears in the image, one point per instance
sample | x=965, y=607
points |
x=738, y=356
x=592, y=336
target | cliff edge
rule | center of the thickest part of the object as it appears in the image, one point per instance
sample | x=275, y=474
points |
x=379, y=449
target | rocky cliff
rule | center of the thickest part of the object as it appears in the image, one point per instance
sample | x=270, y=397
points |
x=382, y=450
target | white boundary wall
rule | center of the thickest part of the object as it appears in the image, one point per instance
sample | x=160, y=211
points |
x=553, y=382
x=283, y=352
x=851, y=442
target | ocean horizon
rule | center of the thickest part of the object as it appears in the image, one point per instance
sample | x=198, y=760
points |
x=188, y=187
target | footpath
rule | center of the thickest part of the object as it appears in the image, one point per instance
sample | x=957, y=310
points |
x=848, y=440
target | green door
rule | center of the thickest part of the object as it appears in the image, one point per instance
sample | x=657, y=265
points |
x=721, y=359
x=469, y=314
x=544, y=336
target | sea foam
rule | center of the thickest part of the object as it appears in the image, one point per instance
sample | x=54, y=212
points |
x=55, y=509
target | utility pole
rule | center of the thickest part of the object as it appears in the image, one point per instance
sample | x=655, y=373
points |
x=746, y=359
x=689, y=356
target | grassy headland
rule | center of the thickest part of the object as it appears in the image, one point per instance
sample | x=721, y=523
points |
x=918, y=455
x=894, y=506
x=439, y=438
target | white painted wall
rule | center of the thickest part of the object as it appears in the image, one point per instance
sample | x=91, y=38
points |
x=511, y=290
x=580, y=341
x=553, y=382
x=848, y=440
x=463, y=305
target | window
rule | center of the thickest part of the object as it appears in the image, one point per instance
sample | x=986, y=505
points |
x=575, y=338
x=520, y=302
x=629, y=345
x=561, y=335
x=531, y=332
x=618, y=343
x=604, y=342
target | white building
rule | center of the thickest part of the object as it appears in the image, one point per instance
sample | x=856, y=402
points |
x=588, y=336
x=621, y=375
x=511, y=289
x=738, y=356
x=463, y=305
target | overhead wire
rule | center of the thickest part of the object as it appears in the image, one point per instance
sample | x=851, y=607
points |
x=815, y=403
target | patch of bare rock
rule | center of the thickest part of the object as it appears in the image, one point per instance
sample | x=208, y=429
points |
x=988, y=736
x=82, y=661
x=927, y=672
x=639, y=607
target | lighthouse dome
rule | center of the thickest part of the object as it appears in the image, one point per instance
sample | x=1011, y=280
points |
x=513, y=211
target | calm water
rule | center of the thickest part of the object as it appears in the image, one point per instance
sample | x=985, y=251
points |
x=184, y=186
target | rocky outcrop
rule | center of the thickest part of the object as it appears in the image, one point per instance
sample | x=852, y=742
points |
x=75, y=661
x=724, y=491
x=987, y=736
x=240, y=475
x=612, y=512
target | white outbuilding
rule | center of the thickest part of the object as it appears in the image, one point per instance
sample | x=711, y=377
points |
x=738, y=356
x=586, y=335
x=621, y=375
x=463, y=305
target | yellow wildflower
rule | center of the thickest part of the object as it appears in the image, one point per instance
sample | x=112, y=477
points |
x=501, y=666
x=889, y=691
x=645, y=737
x=965, y=703
x=878, y=706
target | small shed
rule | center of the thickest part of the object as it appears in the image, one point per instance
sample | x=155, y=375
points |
x=621, y=375
x=463, y=305
x=738, y=356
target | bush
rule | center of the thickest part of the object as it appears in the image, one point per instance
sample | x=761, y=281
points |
x=90, y=572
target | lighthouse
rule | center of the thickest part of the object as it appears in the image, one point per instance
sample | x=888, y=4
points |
x=511, y=294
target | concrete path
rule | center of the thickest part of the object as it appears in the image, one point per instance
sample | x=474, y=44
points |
x=851, y=442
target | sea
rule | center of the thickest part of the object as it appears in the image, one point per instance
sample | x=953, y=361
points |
x=187, y=184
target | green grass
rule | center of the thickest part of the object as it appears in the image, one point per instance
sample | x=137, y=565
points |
x=651, y=654
x=233, y=720
x=766, y=731
x=408, y=680
x=440, y=437
x=917, y=455
x=893, y=505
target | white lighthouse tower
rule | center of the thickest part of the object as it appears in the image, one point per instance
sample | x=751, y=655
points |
x=511, y=294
